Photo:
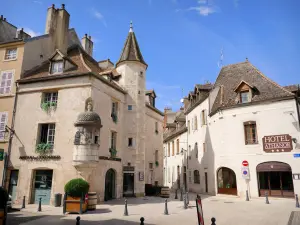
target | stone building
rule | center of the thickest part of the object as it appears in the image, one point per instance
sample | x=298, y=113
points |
x=243, y=134
x=76, y=117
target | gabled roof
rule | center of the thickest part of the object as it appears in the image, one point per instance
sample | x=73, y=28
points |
x=232, y=75
x=131, y=50
x=240, y=84
x=204, y=87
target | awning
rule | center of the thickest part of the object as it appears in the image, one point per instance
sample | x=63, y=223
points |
x=273, y=166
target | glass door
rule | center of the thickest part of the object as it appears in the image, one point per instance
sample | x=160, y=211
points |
x=42, y=186
x=128, y=184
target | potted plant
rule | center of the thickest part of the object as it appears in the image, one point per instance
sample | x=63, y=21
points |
x=43, y=148
x=113, y=152
x=75, y=196
x=114, y=117
x=47, y=105
x=156, y=163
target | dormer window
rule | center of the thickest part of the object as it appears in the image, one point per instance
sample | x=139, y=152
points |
x=57, y=67
x=244, y=97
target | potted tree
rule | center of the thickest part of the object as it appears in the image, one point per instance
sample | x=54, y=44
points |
x=75, y=196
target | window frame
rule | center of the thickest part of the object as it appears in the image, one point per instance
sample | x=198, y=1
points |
x=48, y=135
x=53, y=63
x=177, y=143
x=113, y=139
x=6, y=79
x=4, y=124
x=189, y=129
x=5, y=54
x=169, y=149
x=52, y=98
x=246, y=125
x=128, y=144
x=196, y=177
x=129, y=107
x=248, y=96
x=173, y=148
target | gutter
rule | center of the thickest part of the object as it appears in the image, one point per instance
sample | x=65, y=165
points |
x=11, y=135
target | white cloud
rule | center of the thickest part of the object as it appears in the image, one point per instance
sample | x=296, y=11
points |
x=204, y=10
x=202, y=1
x=37, y=2
x=99, y=16
x=31, y=32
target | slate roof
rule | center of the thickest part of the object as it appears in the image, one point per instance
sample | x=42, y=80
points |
x=230, y=77
x=131, y=50
x=207, y=86
x=293, y=88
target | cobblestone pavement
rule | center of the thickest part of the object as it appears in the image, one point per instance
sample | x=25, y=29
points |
x=226, y=209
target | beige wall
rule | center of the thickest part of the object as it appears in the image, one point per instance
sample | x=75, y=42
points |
x=7, y=100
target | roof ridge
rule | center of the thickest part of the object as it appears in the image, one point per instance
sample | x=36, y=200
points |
x=268, y=79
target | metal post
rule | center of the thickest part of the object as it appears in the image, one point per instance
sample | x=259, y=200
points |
x=40, y=205
x=247, y=196
x=64, y=203
x=78, y=220
x=166, y=207
x=80, y=210
x=213, y=221
x=176, y=197
x=187, y=198
x=23, y=203
x=297, y=202
x=267, y=199
x=181, y=195
x=184, y=202
x=125, y=210
x=142, y=221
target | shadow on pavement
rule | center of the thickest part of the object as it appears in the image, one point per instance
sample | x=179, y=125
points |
x=18, y=218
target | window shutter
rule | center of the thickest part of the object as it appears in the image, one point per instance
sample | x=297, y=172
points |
x=3, y=121
x=192, y=123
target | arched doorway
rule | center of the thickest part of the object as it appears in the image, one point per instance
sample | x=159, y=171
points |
x=226, y=181
x=110, y=183
x=275, y=178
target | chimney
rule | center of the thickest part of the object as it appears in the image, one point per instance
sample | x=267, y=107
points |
x=4, y=19
x=166, y=111
x=1, y=17
x=19, y=34
x=57, y=26
x=87, y=44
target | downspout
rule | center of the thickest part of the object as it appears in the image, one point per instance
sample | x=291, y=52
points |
x=297, y=99
x=12, y=132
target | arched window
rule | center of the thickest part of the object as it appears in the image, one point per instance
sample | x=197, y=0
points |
x=196, y=177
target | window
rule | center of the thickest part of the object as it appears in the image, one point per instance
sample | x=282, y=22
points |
x=177, y=146
x=3, y=122
x=129, y=107
x=47, y=133
x=190, y=176
x=250, y=132
x=50, y=97
x=204, y=147
x=6, y=81
x=10, y=54
x=244, y=97
x=96, y=140
x=173, y=175
x=196, y=177
x=169, y=149
x=195, y=123
x=57, y=67
x=156, y=127
x=130, y=142
x=173, y=148
x=188, y=126
x=156, y=155
x=114, y=111
x=156, y=183
x=113, y=140
x=150, y=165
x=203, y=117
x=196, y=150
x=189, y=152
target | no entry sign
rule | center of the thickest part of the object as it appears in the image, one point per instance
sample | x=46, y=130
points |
x=245, y=163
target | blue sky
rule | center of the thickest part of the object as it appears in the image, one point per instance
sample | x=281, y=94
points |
x=181, y=40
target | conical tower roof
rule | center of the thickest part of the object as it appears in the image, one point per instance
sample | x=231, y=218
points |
x=131, y=50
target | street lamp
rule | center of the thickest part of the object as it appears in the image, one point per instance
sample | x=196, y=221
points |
x=8, y=131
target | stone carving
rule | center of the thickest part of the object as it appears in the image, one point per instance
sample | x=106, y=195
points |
x=77, y=138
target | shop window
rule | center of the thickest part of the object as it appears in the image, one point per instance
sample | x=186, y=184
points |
x=196, y=177
x=250, y=132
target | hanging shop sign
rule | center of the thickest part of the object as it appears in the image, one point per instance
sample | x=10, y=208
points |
x=277, y=143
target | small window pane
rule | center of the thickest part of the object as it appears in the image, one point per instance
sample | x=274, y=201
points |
x=11, y=54
x=129, y=107
x=57, y=67
x=244, y=97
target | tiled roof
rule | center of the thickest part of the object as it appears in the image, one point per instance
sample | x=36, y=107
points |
x=230, y=77
x=207, y=86
x=292, y=88
x=131, y=50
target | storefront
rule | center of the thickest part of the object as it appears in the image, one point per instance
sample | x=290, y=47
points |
x=42, y=186
x=226, y=180
x=128, y=181
x=276, y=179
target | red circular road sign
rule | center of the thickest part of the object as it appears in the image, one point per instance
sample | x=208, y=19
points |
x=245, y=163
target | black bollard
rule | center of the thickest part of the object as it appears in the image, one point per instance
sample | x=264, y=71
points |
x=142, y=221
x=40, y=205
x=181, y=195
x=267, y=199
x=166, y=207
x=184, y=202
x=247, y=196
x=78, y=220
x=125, y=210
x=23, y=203
x=297, y=202
x=213, y=221
x=176, y=197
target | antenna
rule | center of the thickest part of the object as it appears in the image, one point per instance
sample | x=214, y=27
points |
x=220, y=63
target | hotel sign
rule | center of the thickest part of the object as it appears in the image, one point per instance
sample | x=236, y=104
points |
x=277, y=143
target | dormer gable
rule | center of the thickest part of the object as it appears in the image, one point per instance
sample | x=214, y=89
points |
x=60, y=63
x=245, y=92
x=151, y=97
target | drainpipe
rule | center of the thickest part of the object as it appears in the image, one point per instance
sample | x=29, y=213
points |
x=297, y=99
x=12, y=131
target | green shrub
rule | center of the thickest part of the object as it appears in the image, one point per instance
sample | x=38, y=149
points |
x=3, y=198
x=77, y=187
